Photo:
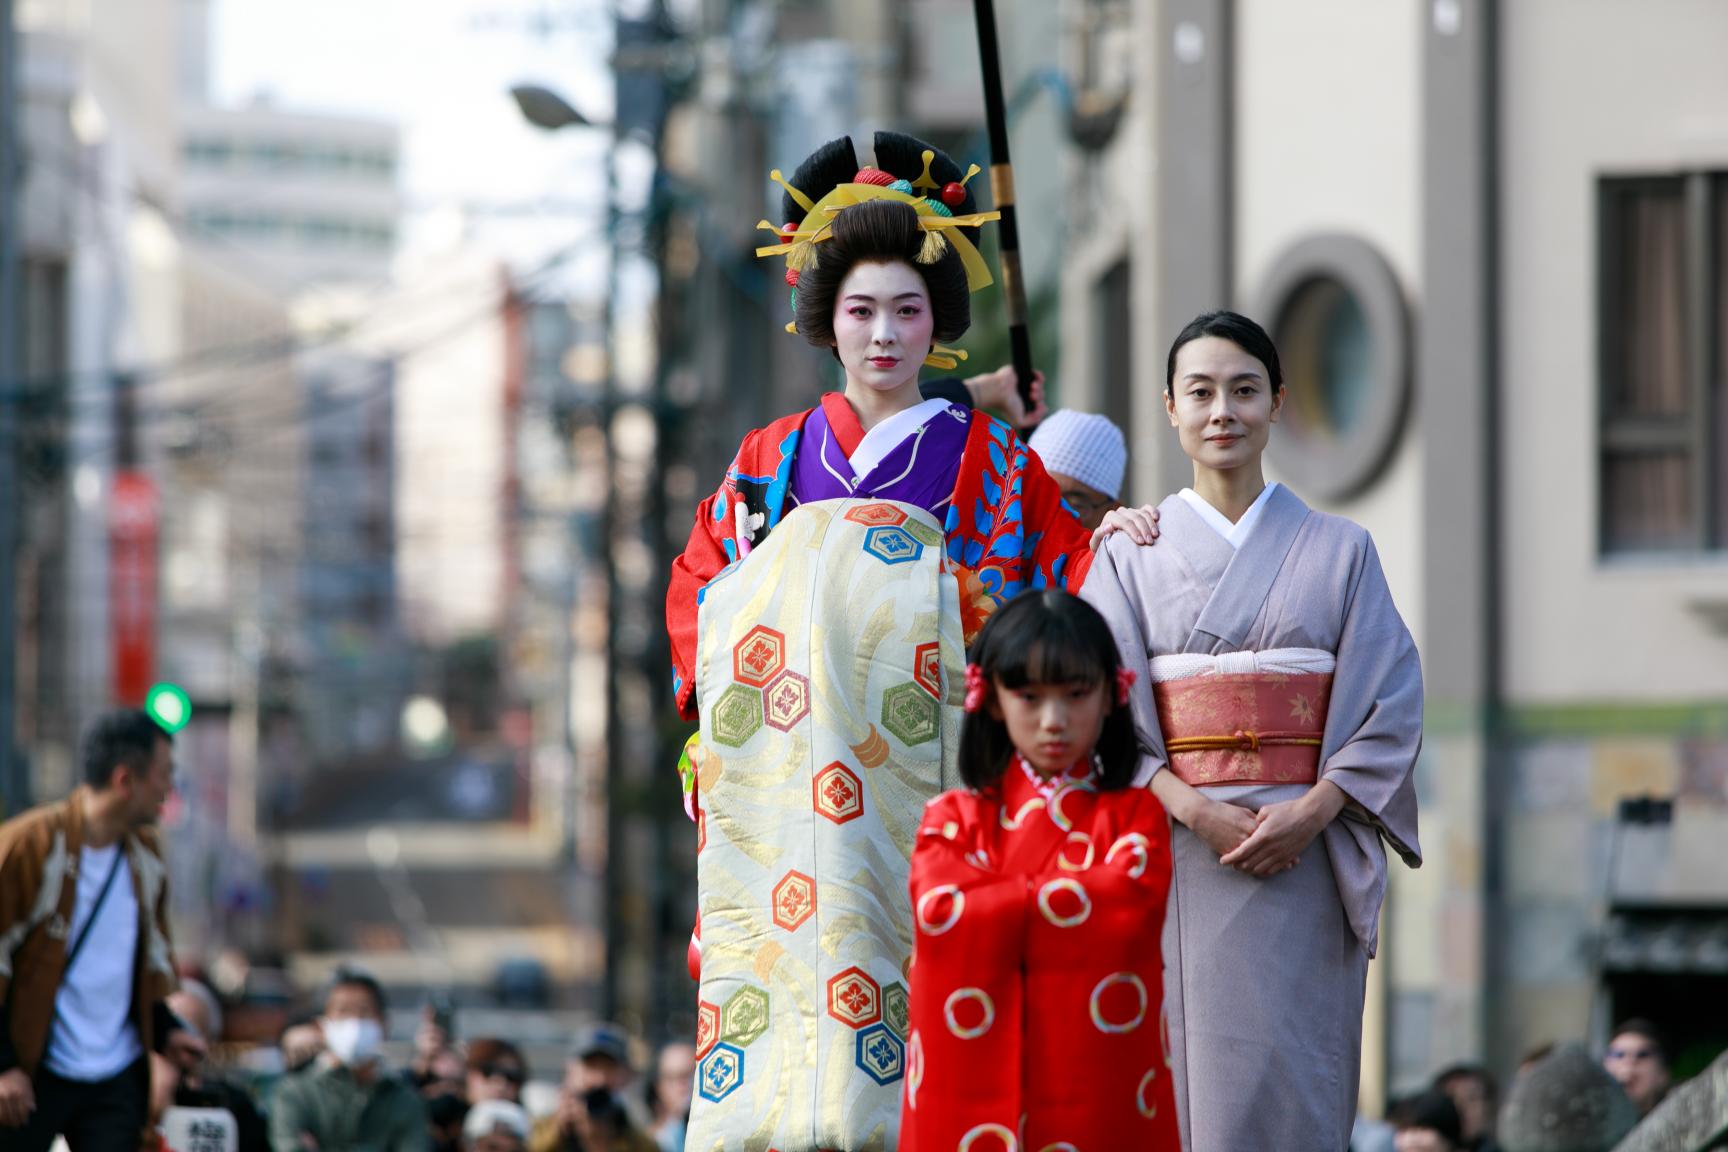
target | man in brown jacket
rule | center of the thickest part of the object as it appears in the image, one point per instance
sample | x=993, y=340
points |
x=85, y=957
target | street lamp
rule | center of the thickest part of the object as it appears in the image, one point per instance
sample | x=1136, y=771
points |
x=548, y=111
x=544, y=108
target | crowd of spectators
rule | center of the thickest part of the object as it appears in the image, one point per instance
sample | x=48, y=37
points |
x=1561, y=1098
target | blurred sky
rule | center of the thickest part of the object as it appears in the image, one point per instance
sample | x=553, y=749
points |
x=442, y=69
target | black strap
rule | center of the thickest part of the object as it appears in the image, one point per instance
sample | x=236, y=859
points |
x=101, y=898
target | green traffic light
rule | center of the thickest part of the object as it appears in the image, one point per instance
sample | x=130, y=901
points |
x=169, y=706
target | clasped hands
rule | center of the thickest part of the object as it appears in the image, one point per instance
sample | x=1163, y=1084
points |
x=1268, y=841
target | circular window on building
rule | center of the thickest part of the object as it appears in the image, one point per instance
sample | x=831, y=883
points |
x=1336, y=312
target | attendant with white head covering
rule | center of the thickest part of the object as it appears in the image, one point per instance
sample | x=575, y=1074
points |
x=1086, y=455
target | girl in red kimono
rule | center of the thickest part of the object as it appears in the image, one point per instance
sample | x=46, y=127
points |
x=1038, y=893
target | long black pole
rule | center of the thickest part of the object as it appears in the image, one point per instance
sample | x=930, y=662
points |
x=1002, y=194
x=13, y=791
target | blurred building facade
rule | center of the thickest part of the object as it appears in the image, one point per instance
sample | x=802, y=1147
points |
x=1490, y=242
x=299, y=201
x=100, y=331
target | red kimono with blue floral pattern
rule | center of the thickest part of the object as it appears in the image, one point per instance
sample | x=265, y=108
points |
x=1007, y=529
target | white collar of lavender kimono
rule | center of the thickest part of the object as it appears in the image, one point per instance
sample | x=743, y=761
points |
x=1240, y=593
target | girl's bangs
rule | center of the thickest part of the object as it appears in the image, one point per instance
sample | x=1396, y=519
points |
x=1054, y=653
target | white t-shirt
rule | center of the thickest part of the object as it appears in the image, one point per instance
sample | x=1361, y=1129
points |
x=1235, y=533
x=94, y=1036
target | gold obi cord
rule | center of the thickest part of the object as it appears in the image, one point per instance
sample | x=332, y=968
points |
x=1244, y=728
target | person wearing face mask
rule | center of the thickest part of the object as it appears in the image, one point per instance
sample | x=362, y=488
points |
x=348, y=1100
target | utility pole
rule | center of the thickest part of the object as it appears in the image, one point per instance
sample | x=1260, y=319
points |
x=13, y=789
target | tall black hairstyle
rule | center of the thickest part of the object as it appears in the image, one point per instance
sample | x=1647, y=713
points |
x=877, y=230
x=1048, y=637
x=124, y=737
x=1236, y=328
x=346, y=977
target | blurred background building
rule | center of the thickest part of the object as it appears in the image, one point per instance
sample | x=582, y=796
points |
x=400, y=520
x=1489, y=241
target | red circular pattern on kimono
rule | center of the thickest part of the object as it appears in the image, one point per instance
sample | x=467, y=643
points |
x=1067, y=958
x=914, y=1068
x=1136, y=843
x=931, y=919
x=1079, y=904
x=957, y=1000
x=1148, y=1108
x=969, y=1142
x=1066, y=860
x=1108, y=985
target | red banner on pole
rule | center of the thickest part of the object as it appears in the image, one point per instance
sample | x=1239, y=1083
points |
x=133, y=522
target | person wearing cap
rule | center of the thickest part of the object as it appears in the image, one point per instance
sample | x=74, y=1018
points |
x=1086, y=455
x=495, y=1126
x=593, y=1104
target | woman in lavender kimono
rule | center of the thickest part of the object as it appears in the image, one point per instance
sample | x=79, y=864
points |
x=1279, y=711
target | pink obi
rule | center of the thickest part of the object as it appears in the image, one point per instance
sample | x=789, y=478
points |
x=1244, y=728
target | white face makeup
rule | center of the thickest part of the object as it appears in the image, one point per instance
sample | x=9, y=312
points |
x=882, y=326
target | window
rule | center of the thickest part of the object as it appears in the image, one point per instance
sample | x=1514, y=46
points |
x=1662, y=363
x=1337, y=316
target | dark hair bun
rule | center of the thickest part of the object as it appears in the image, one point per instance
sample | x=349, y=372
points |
x=833, y=164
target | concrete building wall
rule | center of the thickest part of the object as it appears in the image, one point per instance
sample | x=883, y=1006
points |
x=1327, y=139
x=1593, y=89
x=451, y=352
x=1618, y=687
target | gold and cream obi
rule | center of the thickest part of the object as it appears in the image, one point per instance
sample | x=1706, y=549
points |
x=1244, y=717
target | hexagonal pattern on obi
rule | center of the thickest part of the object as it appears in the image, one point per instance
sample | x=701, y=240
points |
x=744, y=1016
x=794, y=901
x=910, y=713
x=707, y=1027
x=838, y=793
x=881, y=1054
x=720, y=1072
x=876, y=515
x=892, y=545
x=896, y=1009
x=758, y=657
x=854, y=999
x=927, y=668
x=737, y=715
x=788, y=700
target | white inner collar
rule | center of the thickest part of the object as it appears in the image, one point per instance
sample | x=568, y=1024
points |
x=887, y=435
x=1234, y=534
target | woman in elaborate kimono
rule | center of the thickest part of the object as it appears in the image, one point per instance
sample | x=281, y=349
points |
x=1280, y=715
x=1038, y=892
x=818, y=618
